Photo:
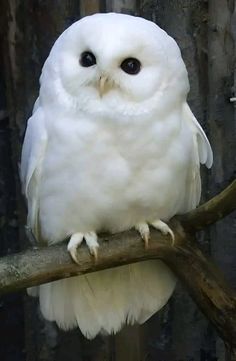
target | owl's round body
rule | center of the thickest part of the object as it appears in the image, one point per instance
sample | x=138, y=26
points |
x=111, y=145
x=98, y=175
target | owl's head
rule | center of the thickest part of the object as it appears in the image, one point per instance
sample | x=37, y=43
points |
x=114, y=63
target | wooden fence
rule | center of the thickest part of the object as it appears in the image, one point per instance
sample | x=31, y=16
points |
x=205, y=32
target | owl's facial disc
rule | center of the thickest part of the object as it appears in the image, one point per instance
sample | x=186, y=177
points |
x=87, y=60
x=131, y=66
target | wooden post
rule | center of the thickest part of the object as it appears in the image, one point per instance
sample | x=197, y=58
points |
x=221, y=112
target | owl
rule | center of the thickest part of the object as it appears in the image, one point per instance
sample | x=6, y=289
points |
x=111, y=145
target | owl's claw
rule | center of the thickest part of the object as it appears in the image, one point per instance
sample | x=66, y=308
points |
x=164, y=229
x=76, y=240
x=91, y=240
x=143, y=229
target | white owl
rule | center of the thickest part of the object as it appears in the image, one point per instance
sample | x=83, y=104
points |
x=111, y=145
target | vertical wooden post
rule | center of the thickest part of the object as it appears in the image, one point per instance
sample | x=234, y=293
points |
x=122, y=6
x=89, y=7
x=221, y=112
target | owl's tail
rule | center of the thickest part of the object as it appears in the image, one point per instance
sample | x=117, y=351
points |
x=104, y=301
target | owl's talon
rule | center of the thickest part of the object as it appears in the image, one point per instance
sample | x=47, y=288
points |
x=94, y=253
x=76, y=240
x=143, y=229
x=91, y=240
x=164, y=229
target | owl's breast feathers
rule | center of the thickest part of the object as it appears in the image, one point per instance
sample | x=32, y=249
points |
x=99, y=176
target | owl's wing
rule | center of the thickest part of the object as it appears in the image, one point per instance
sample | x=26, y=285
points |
x=33, y=151
x=202, y=154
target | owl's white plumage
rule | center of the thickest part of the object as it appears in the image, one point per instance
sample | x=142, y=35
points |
x=107, y=151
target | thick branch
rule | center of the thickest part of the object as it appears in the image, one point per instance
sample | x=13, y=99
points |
x=211, y=211
x=200, y=276
x=38, y=266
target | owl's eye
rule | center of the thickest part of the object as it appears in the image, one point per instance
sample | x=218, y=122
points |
x=131, y=66
x=87, y=59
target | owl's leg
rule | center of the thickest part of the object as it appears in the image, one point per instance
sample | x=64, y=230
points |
x=76, y=240
x=143, y=229
x=164, y=229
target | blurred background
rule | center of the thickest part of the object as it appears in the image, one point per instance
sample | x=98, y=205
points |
x=205, y=32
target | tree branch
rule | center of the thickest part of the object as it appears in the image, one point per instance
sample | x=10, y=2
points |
x=211, y=211
x=204, y=282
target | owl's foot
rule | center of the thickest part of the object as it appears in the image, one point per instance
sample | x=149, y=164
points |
x=75, y=241
x=164, y=229
x=143, y=229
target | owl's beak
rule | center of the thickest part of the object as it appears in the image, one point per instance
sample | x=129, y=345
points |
x=103, y=86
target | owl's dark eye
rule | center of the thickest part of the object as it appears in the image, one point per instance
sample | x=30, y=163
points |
x=131, y=66
x=87, y=59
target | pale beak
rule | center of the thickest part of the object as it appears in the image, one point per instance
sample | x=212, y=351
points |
x=103, y=85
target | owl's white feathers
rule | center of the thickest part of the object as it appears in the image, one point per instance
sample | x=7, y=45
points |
x=93, y=162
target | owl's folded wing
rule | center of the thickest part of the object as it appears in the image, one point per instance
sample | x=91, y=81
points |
x=30, y=169
x=203, y=145
x=202, y=154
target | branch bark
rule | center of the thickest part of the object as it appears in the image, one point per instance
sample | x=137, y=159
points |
x=203, y=280
x=211, y=211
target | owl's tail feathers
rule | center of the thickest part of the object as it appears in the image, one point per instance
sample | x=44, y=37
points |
x=102, y=302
